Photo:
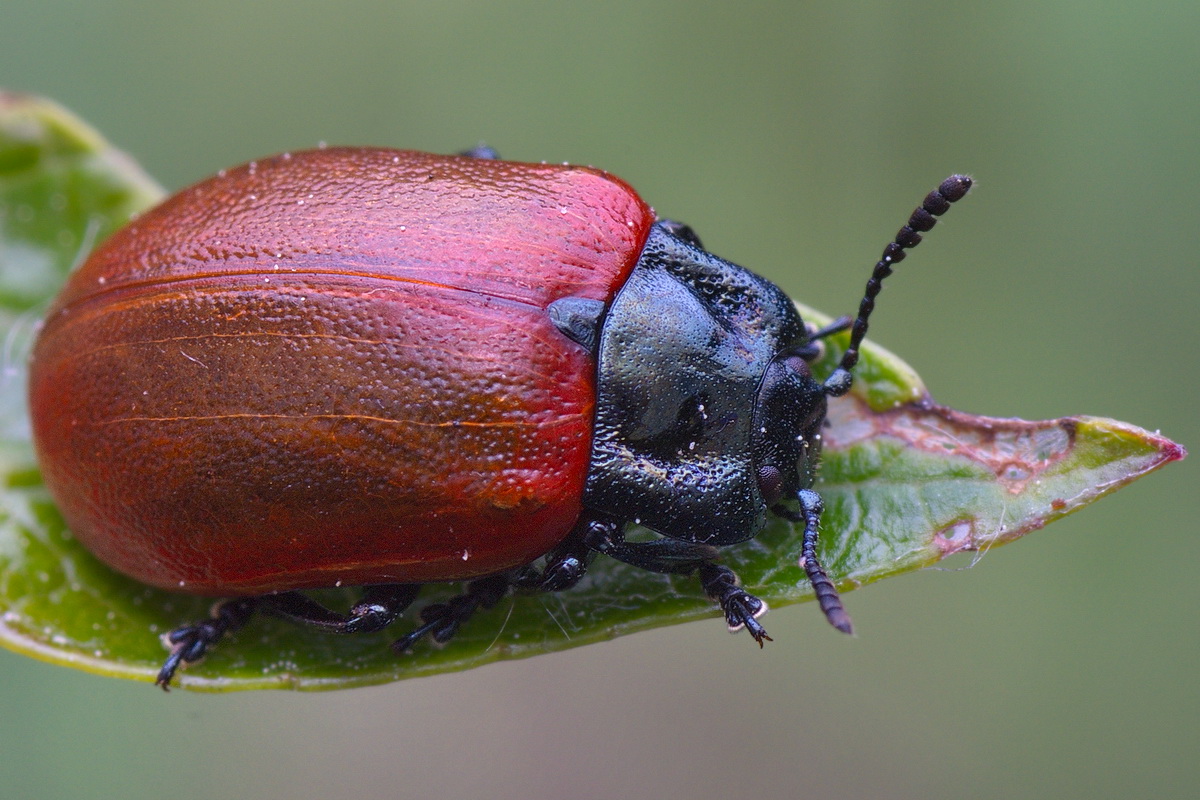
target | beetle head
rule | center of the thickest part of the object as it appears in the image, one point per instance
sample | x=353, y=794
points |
x=788, y=414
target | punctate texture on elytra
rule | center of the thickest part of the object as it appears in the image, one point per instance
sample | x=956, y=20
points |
x=333, y=367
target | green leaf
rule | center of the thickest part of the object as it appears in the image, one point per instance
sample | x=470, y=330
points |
x=906, y=483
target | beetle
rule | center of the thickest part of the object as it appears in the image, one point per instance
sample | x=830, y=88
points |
x=385, y=368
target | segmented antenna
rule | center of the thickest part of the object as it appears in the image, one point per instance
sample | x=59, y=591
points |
x=922, y=220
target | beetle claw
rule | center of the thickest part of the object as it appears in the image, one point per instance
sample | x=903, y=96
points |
x=747, y=609
x=741, y=608
x=743, y=611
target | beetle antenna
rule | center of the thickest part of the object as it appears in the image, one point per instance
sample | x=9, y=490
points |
x=922, y=220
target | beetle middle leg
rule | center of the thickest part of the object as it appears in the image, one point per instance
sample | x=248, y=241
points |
x=442, y=620
x=564, y=567
x=380, y=606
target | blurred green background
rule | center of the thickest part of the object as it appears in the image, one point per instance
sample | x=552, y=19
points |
x=795, y=138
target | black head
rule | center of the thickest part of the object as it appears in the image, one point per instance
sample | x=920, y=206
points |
x=789, y=412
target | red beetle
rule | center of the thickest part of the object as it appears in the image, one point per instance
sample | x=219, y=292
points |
x=388, y=368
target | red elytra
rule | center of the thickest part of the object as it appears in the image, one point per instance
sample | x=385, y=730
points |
x=294, y=375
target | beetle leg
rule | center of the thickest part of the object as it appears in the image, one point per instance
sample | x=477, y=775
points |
x=672, y=556
x=442, y=620
x=379, y=607
x=741, y=608
x=564, y=566
x=813, y=348
x=189, y=643
x=842, y=323
x=668, y=556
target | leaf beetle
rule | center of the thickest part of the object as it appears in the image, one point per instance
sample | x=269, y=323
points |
x=385, y=368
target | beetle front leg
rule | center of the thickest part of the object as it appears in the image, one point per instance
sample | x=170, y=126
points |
x=671, y=556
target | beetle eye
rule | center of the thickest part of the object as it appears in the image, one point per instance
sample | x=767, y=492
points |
x=770, y=482
x=797, y=363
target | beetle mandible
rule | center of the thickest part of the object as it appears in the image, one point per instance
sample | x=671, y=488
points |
x=385, y=368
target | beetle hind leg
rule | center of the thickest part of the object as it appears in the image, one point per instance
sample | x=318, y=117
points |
x=189, y=643
x=379, y=607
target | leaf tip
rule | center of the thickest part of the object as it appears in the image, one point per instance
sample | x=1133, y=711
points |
x=1173, y=451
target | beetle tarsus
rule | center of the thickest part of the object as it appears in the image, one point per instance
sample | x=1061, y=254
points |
x=741, y=608
x=190, y=643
